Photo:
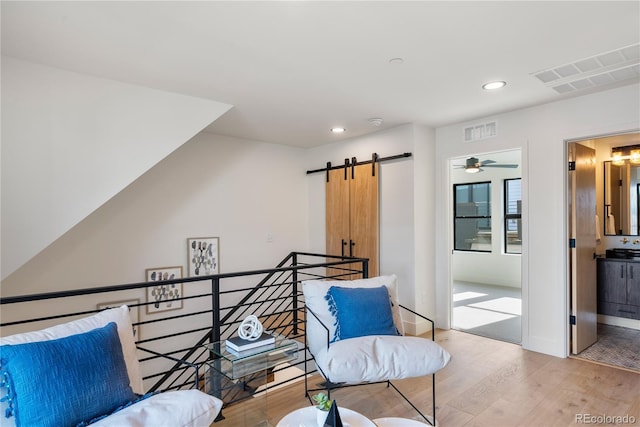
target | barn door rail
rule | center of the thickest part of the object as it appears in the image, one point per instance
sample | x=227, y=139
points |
x=354, y=162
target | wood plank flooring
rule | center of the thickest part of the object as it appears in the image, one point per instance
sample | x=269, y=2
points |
x=487, y=382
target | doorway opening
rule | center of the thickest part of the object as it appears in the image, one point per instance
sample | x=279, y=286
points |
x=487, y=245
x=604, y=279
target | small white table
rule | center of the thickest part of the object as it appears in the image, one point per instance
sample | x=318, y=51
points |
x=306, y=417
x=398, y=422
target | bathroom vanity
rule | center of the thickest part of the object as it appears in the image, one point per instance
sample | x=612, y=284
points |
x=619, y=283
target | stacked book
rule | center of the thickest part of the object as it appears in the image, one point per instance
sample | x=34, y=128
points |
x=240, y=345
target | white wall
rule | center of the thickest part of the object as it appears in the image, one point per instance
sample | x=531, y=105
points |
x=71, y=141
x=406, y=227
x=238, y=190
x=424, y=204
x=540, y=133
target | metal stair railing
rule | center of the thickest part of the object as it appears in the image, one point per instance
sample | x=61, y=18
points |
x=171, y=343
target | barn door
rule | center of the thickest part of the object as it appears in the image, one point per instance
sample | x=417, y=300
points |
x=364, y=218
x=352, y=216
x=337, y=217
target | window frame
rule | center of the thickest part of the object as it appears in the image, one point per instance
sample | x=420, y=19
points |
x=510, y=216
x=456, y=217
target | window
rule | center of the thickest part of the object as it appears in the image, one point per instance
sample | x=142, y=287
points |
x=513, y=216
x=472, y=217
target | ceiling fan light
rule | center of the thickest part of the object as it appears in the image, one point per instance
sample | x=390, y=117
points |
x=472, y=169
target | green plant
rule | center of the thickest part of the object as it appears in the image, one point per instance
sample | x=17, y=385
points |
x=322, y=401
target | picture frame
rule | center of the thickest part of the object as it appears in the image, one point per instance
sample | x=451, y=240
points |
x=164, y=297
x=134, y=312
x=203, y=256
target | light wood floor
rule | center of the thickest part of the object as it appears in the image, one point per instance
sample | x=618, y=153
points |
x=487, y=382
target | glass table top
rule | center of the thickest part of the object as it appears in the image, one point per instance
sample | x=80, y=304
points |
x=234, y=364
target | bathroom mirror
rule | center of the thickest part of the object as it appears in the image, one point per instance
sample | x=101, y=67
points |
x=621, y=189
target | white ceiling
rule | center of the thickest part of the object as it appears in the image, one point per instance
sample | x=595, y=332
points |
x=292, y=70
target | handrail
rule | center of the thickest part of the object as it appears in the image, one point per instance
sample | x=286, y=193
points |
x=270, y=273
x=139, y=285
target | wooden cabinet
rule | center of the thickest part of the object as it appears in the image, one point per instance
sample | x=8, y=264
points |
x=352, y=215
x=619, y=288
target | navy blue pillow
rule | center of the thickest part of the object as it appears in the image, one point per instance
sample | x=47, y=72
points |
x=66, y=381
x=361, y=312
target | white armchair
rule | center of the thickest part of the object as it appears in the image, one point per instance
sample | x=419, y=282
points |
x=355, y=335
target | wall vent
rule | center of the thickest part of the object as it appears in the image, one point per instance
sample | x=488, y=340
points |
x=480, y=131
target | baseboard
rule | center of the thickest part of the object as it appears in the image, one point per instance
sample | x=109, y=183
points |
x=619, y=321
x=416, y=328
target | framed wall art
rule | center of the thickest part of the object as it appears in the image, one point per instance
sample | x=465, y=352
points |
x=203, y=256
x=134, y=312
x=164, y=297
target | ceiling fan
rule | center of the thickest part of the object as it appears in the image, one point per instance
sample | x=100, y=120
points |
x=473, y=165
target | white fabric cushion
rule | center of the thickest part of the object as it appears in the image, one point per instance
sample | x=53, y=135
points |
x=185, y=408
x=314, y=292
x=380, y=358
x=118, y=315
x=171, y=409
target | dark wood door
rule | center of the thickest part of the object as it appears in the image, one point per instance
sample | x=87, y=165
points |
x=633, y=283
x=612, y=278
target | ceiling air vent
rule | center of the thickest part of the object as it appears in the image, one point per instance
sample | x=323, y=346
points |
x=620, y=65
x=480, y=131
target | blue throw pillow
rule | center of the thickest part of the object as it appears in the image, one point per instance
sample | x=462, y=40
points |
x=361, y=312
x=65, y=381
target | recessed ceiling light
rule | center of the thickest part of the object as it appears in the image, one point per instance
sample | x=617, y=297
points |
x=494, y=85
x=338, y=130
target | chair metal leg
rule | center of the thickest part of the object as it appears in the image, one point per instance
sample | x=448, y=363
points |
x=328, y=386
x=433, y=399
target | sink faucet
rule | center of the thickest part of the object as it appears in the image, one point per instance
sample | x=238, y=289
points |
x=625, y=240
x=636, y=241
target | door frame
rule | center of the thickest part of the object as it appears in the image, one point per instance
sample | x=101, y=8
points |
x=524, y=256
x=610, y=132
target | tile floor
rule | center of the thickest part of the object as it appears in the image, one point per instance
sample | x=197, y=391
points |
x=616, y=346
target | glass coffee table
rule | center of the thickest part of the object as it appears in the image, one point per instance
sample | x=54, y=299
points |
x=236, y=365
x=230, y=371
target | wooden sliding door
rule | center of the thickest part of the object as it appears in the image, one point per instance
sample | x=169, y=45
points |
x=352, y=215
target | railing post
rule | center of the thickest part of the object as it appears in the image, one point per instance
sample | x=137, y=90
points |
x=215, y=309
x=215, y=380
x=295, y=294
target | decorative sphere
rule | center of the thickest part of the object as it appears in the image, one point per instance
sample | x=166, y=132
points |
x=250, y=329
